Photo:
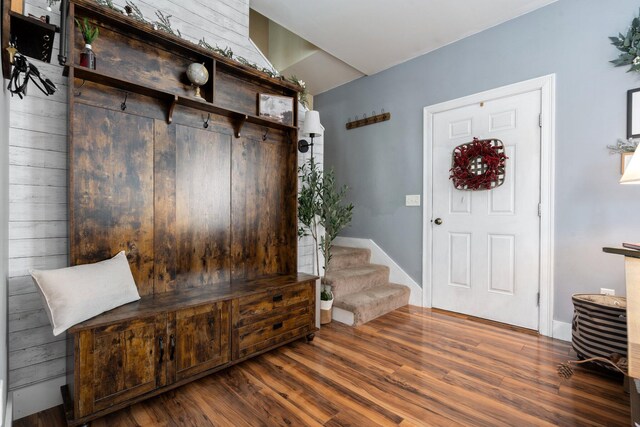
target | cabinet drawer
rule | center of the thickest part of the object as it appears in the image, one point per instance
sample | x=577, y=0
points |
x=282, y=325
x=266, y=302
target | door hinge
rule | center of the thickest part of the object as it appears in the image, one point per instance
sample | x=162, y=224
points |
x=540, y=210
x=540, y=119
x=538, y=300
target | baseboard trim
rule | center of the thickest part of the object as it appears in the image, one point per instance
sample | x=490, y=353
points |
x=8, y=416
x=378, y=256
x=343, y=316
x=37, y=397
x=562, y=330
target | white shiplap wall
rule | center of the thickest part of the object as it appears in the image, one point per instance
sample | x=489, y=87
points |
x=38, y=235
x=306, y=245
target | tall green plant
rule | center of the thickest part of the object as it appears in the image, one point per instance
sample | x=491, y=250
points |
x=321, y=204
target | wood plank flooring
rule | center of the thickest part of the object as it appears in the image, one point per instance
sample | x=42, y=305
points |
x=411, y=367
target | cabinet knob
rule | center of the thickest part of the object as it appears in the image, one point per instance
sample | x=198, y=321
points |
x=277, y=298
x=277, y=326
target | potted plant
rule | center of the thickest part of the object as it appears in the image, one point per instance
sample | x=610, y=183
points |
x=321, y=208
x=322, y=214
x=326, y=302
x=89, y=34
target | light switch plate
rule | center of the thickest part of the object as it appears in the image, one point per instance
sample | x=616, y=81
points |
x=412, y=200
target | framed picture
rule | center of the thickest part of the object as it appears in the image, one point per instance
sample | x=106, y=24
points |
x=277, y=108
x=633, y=113
x=625, y=158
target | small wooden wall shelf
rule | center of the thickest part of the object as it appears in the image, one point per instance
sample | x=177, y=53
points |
x=378, y=118
x=172, y=99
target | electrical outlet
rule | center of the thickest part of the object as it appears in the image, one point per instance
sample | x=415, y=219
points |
x=605, y=291
x=412, y=200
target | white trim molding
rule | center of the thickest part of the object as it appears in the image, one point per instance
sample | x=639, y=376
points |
x=546, y=86
x=37, y=397
x=378, y=256
x=562, y=330
x=8, y=415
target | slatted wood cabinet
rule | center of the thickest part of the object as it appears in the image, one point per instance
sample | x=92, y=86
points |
x=202, y=196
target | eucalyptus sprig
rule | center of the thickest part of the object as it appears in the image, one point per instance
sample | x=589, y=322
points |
x=629, y=45
x=164, y=24
x=624, y=146
x=89, y=33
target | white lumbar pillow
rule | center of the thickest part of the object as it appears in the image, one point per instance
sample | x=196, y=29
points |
x=74, y=294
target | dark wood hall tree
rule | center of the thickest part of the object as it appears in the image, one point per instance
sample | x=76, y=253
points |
x=206, y=214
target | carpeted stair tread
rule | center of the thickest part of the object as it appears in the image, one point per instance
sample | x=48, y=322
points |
x=354, y=279
x=370, y=303
x=342, y=257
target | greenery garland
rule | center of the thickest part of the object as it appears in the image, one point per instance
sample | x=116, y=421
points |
x=629, y=45
x=164, y=24
x=624, y=146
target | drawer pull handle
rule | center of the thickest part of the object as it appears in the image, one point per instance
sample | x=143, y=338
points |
x=277, y=298
x=277, y=326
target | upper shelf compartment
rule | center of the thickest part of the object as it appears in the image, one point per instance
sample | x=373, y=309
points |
x=132, y=56
x=239, y=118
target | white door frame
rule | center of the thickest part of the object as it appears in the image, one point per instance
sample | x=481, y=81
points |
x=546, y=85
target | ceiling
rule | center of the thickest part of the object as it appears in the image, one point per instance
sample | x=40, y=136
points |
x=369, y=36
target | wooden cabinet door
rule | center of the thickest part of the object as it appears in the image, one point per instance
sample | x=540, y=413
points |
x=201, y=340
x=120, y=361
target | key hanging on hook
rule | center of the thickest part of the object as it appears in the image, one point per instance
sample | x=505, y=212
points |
x=206, y=122
x=266, y=132
x=123, y=106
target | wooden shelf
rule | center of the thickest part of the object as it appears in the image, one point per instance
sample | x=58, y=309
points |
x=237, y=117
x=146, y=32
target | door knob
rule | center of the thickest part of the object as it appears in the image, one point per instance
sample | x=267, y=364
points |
x=438, y=221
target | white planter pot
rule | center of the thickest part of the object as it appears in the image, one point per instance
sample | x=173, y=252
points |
x=326, y=305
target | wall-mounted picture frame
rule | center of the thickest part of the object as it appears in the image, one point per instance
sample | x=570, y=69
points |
x=277, y=108
x=633, y=113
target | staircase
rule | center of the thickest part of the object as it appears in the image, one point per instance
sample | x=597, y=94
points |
x=361, y=290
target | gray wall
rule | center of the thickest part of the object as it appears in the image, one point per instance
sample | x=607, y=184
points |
x=381, y=163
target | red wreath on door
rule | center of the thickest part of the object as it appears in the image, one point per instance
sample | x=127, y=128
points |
x=478, y=165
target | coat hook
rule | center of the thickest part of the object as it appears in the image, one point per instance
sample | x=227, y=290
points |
x=206, y=122
x=123, y=106
x=266, y=132
x=79, y=93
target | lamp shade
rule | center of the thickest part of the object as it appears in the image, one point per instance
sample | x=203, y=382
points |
x=312, y=126
x=632, y=171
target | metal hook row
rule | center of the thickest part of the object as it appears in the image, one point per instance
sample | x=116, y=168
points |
x=364, y=116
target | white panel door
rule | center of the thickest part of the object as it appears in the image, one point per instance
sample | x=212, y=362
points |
x=486, y=248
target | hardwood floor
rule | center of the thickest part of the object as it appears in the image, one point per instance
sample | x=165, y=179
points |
x=411, y=367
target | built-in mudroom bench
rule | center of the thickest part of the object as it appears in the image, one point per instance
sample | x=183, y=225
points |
x=201, y=195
